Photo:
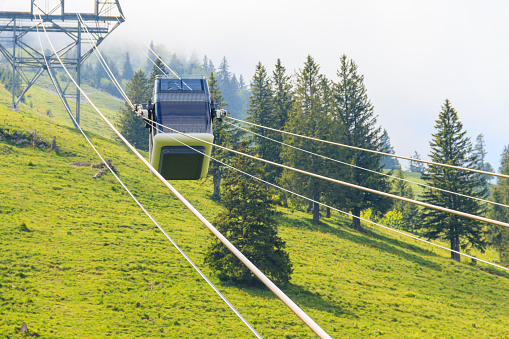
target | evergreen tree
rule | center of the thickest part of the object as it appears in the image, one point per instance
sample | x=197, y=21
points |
x=283, y=105
x=355, y=114
x=389, y=163
x=450, y=145
x=482, y=164
x=221, y=134
x=157, y=69
x=249, y=223
x=127, y=71
x=261, y=111
x=131, y=126
x=308, y=118
x=242, y=83
x=416, y=166
x=408, y=211
x=499, y=236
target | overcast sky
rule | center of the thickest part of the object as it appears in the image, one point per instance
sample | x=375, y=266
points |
x=414, y=54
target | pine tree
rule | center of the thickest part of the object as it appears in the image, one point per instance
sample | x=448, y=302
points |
x=221, y=135
x=482, y=164
x=132, y=127
x=359, y=128
x=249, y=223
x=416, y=166
x=308, y=118
x=499, y=236
x=450, y=145
x=388, y=162
x=409, y=211
x=127, y=71
x=261, y=111
x=283, y=105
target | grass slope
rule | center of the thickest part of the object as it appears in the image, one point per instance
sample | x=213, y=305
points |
x=79, y=259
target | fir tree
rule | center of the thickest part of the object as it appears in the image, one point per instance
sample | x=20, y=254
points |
x=358, y=122
x=388, y=162
x=451, y=146
x=131, y=126
x=261, y=112
x=408, y=211
x=416, y=166
x=249, y=223
x=482, y=164
x=499, y=236
x=283, y=105
x=221, y=134
x=127, y=71
x=157, y=70
x=308, y=118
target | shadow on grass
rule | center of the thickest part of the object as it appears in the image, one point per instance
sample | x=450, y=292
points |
x=301, y=296
x=369, y=238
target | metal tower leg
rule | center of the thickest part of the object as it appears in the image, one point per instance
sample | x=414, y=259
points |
x=78, y=74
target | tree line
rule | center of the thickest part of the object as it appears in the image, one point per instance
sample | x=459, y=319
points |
x=311, y=104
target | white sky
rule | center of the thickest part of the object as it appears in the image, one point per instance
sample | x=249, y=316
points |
x=414, y=54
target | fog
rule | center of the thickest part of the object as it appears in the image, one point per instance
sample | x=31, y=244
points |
x=413, y=54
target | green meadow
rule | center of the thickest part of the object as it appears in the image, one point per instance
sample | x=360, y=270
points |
x=78, y=258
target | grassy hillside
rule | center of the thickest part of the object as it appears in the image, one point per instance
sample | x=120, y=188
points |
x=79, y=259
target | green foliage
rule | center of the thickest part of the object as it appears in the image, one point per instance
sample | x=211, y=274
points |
x=117, y=276
x=309, y=117
x=132, y=127
x=409, y=212
x=249, y=223
x=451, y=146
x=127, y=71
x=500, y=194
x=355, y=118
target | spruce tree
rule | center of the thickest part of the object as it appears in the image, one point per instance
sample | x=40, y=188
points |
x=131, y=126
x=499, y=236
x=358, y=123
x=127, y=71
x=482, y=164
x=158, y=69
x=388, y=162
x=416, y=166
x=308, y=117
x=249, y=223
x=221, y=135
x=261, y=111
x=409, y=211
x=283, y=105
x=451, y=146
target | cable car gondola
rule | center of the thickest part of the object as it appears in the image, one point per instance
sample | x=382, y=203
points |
x=184, y=105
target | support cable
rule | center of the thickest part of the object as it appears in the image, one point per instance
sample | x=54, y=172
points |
x=155, y=222
x=264, y=279
x=366, y=169
x=366, y=189
x=372, y=151
x=336, y=209
x=157, y=56
x=105, y=65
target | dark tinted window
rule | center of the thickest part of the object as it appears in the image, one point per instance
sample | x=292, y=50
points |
x=182, y=85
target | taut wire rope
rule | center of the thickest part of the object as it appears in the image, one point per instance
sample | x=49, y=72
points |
x=204, y=277
x=338, y=210
x=371, y=151
x=259, y=274
x=366, y=169
x=366, y=189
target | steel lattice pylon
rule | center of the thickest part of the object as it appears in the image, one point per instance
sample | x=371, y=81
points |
x=15, y=28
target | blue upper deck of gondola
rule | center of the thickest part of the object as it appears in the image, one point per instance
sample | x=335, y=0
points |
x=183, y=104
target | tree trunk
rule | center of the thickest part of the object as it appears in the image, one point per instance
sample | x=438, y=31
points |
x=310, y=206
x=356, y=222
x=216, y=177
x=316, y=213
x=284, y=200
x=455, y=245
x=327, y=212
x=54, y=144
